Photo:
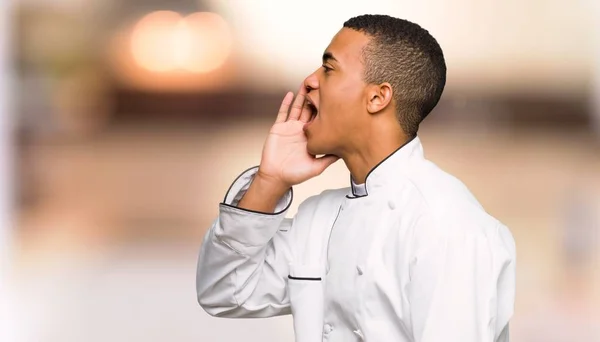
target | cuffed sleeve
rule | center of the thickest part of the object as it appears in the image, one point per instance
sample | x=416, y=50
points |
x=244, y=259
x=238, y=189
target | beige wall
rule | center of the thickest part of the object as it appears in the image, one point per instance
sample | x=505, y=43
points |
x=507, y=45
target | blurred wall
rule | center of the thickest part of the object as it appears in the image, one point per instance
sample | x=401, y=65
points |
x=509, y=46
x=123, y=150
x=7, y=319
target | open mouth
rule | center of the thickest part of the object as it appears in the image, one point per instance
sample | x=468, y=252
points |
x=313, y=110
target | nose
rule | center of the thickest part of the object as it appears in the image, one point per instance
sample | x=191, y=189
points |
x=311, y=82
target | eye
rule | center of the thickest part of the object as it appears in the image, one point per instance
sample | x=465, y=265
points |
x=327, y=69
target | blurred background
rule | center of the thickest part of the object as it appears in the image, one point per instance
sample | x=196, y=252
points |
x=124, y=123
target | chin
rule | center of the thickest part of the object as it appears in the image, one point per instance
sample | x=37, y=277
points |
x=311, y=149
x=315, y=148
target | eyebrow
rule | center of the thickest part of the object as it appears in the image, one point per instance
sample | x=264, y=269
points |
x=327, y=56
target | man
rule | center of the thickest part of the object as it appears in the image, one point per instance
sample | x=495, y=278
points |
x=406, y=253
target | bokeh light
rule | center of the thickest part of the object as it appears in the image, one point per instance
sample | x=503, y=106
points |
x=165, y=41
x=153, y=40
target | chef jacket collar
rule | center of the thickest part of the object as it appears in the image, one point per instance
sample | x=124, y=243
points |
x=387, y=169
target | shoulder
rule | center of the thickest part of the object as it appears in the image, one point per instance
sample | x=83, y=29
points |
x=438, y=188
x=449, y=212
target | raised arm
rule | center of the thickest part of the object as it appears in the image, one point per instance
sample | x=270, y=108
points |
x=245, y=256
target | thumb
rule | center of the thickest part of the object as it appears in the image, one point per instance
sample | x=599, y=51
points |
x=324, y=162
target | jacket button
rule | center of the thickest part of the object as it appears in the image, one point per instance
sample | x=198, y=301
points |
x=327, y=328
x=359, y=270
x=392, y=205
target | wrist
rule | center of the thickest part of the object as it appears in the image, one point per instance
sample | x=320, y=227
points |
x=270, y=184
x=263, y=194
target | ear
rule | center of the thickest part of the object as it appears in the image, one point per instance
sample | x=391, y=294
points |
x=379, y=97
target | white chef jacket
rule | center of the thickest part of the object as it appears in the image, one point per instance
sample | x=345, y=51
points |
x=408, y=256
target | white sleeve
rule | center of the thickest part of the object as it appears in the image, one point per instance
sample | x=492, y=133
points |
x=244, y=259
x=462, y=288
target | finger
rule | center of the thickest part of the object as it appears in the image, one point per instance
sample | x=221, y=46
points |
x=285, y=106
x=324, y=162
x=298, y=104
x=306, y=113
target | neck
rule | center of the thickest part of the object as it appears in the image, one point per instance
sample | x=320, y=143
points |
x=375, y=145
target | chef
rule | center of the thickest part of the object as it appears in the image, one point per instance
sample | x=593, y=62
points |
x=405, y=253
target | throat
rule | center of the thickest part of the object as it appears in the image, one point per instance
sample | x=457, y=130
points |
x=363, y=161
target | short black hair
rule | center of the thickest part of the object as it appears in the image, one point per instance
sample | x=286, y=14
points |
x=405, y=55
